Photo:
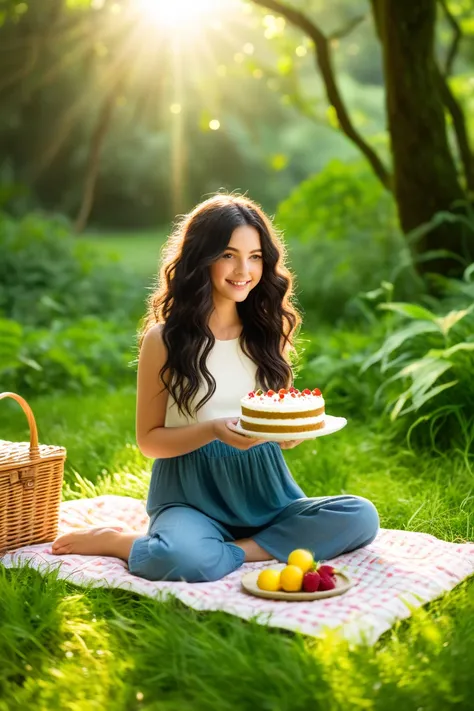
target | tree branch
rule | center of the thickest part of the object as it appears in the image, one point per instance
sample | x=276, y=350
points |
x=293, y=90
x=344, y=31
x=324, y=63
x=459, y=124
x=457, y=36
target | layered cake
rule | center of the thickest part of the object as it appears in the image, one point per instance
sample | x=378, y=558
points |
x=283, y=412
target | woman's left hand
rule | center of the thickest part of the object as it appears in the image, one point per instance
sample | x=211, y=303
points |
x=290, y=443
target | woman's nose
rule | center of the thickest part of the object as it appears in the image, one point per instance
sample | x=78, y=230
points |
x=242, y=267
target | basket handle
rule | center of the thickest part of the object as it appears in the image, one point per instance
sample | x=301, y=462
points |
x=34, y=450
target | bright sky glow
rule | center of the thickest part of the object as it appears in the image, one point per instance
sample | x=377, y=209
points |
x=181, y=15
x=180, y=34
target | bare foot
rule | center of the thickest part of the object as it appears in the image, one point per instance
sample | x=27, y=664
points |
x=253, y=552
x=113, y=541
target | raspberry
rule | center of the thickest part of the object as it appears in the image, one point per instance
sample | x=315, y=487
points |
x=292, y=390
x=327, y=582
x=271, y=392
x=311, y=581
x=251, y=394
x=327, y=570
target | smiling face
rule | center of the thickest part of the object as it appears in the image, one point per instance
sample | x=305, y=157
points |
x=239, y=268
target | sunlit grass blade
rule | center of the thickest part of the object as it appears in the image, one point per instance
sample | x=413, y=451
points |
x=448, y=352
x=397, y=339
x=447, y=322
x=413, y=311
x=419, y=399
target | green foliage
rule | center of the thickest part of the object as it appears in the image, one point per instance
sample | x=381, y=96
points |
x=331, y=359
x=47, y=273
x=343, y=238
x=51, y=631
x=67, y=356
x=47, y=121
x=68, y=314
x=427, y=360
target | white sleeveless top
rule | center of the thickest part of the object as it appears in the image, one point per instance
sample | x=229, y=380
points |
x=235, y=375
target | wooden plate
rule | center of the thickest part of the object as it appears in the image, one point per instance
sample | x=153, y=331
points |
x=249, y=583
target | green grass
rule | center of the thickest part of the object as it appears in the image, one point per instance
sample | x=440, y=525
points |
x=64, y=647
x=140, y=250
x=68, y=648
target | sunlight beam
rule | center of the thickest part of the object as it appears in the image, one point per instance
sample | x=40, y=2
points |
x=178, y=15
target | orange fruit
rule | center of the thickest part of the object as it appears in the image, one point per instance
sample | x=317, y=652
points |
x=302, y=558
x=291, y=578
x=269, y=579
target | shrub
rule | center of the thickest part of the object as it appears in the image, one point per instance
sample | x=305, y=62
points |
x=68, y=314
x=67, y=357
x=427, y=360
x=342, y=235
x=46, y=273
x=332, y=360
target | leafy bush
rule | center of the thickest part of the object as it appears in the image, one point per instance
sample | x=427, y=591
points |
x=342, y=235
x=46, y=273
x=68, y=314
x=332, y=360
x=427, y=360
x=67, y=357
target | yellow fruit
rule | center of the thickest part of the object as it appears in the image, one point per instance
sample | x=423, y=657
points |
x=291, y=578
x=269, y=580
x=301, y=558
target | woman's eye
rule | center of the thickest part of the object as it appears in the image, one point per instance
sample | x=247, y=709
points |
x=254, y=256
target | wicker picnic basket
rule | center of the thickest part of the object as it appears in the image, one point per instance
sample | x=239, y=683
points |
x=31, y=478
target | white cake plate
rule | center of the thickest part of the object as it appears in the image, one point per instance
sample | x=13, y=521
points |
x=331, y=425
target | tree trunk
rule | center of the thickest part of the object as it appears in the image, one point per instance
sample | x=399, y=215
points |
x=425, y=180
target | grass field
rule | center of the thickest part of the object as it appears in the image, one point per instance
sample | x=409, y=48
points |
x=140, y=250
x=65, y=647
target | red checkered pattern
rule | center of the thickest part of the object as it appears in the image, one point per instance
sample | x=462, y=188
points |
x=399, y=571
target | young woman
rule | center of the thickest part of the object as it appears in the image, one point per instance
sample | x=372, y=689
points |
x=221, y=323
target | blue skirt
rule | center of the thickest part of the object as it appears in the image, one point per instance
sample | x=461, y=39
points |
x=202, y=503
x=239, y=488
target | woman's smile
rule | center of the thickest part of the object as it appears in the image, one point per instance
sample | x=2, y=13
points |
x=239, y=268
x=238, y=284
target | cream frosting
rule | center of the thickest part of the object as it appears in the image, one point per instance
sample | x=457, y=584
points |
x=273, y=403
x=294, y=422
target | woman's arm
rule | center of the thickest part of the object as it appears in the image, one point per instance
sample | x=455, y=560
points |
x=153, y=438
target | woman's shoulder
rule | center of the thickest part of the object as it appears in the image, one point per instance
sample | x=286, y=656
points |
x=152, y=344
x=154, y=333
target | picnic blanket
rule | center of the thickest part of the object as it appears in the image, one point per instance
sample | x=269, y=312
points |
x=398, y=572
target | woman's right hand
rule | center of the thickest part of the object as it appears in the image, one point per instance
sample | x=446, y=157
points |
x=223, y=431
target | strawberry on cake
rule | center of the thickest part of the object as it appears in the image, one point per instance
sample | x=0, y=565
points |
x=283, y=412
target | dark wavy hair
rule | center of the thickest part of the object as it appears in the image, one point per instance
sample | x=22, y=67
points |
x=182, y=301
